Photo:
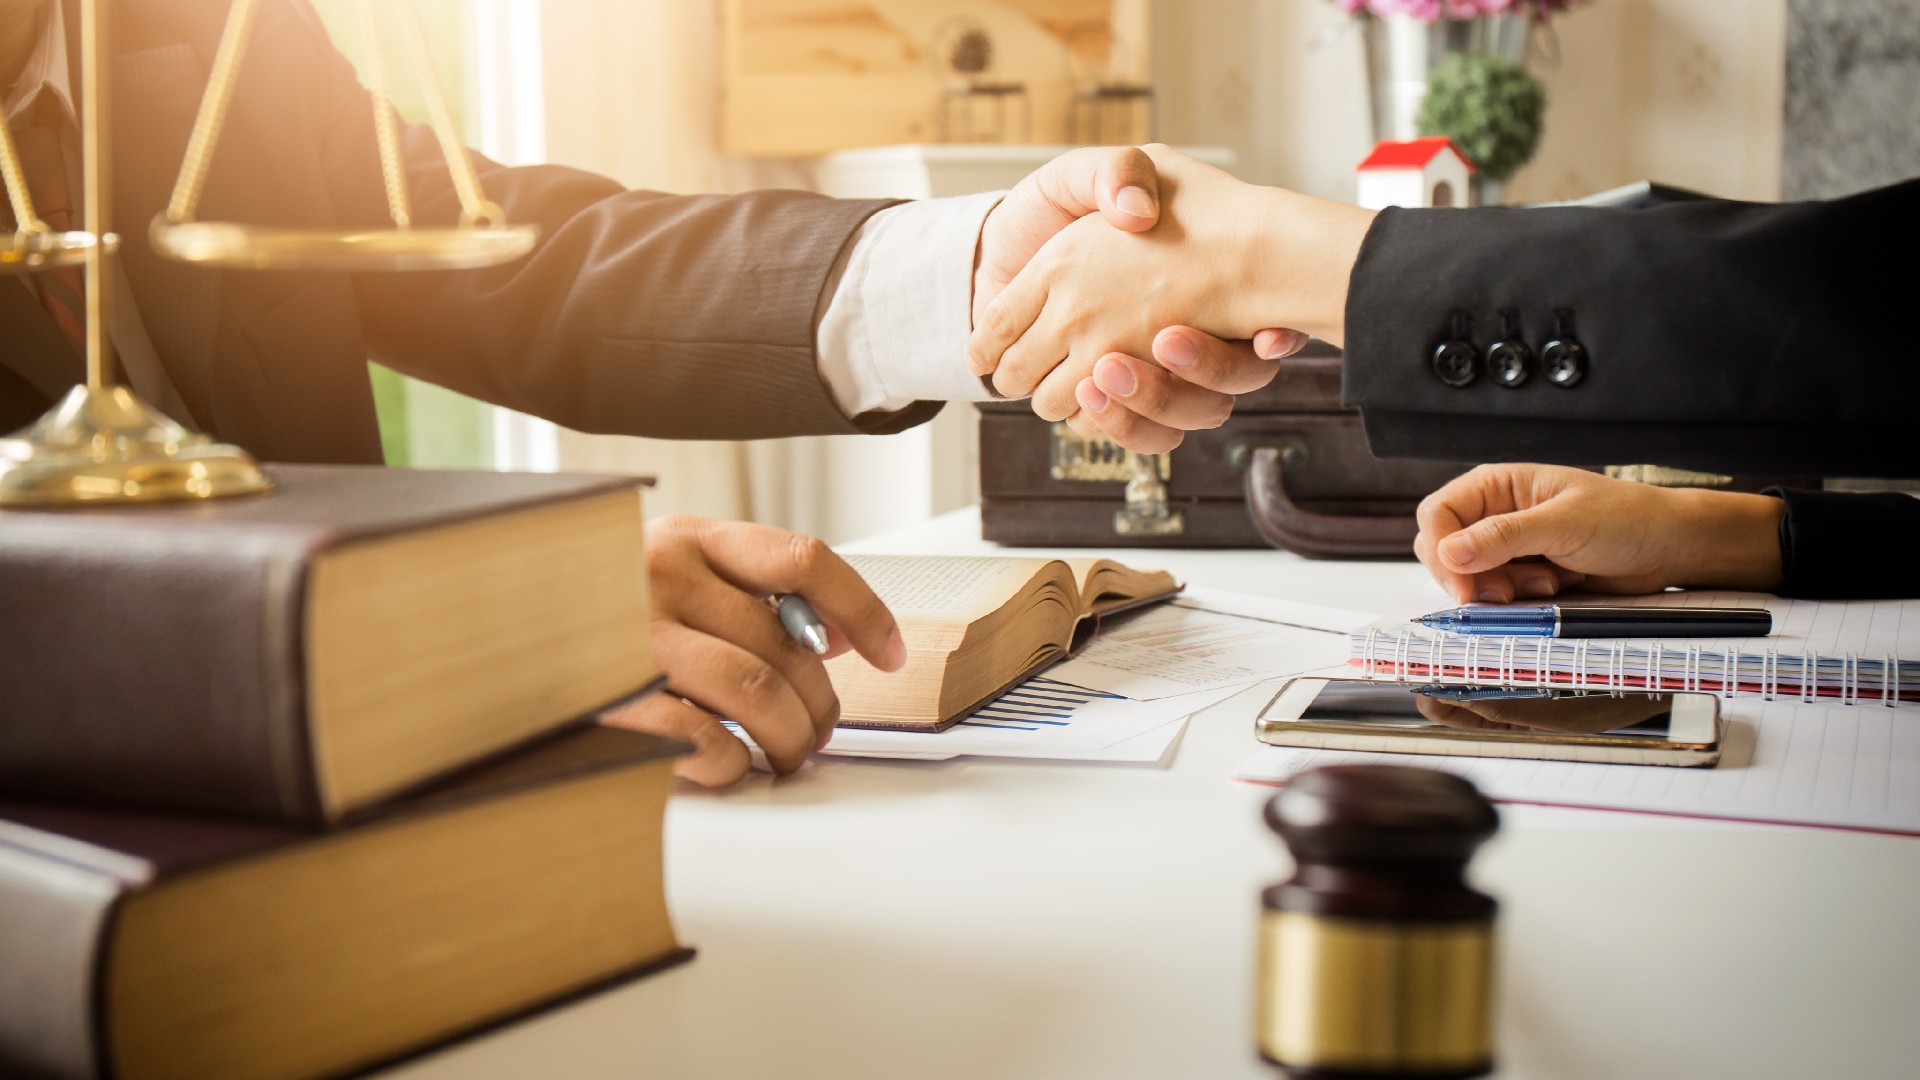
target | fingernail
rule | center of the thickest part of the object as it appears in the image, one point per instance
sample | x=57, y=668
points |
x=1115, y=378
x=1283, y=345
x=1177, y=350
x=1490, y=596
x=1459, y=550
x=1089, y=396
x=896, y=651
x=1135, y=201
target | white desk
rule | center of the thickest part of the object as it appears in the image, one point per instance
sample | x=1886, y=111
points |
x=1000, y=919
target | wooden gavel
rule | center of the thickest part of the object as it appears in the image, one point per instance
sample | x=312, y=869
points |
x=1376, y=957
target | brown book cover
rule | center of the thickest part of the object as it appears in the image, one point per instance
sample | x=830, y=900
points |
x=306, y=653
x=394, y=918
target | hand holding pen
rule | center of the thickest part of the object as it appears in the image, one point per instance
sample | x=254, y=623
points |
x=726, y=653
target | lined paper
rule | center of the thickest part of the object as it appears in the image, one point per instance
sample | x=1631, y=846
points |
x=1854, y=650
x=1785, y=762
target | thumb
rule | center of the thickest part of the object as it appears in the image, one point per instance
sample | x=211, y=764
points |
x=1119, y=182
x=1502, y=538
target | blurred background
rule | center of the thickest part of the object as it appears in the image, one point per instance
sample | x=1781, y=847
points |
x=913, y=98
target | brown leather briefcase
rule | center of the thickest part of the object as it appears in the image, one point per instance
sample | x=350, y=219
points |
x=1290, y=469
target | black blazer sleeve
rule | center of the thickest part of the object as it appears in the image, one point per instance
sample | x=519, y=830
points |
x=638, y=312
x=1837, y=545
x=1724, y=336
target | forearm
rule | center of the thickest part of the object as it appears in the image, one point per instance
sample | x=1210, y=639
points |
x=1299, y=264
x=1726, y=540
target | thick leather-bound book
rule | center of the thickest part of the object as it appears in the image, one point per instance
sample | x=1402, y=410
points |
x=975, y=626
x=142, y=946
x=306, y=654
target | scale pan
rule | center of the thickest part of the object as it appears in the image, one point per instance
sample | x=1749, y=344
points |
x=254, y=247
x=23, y=254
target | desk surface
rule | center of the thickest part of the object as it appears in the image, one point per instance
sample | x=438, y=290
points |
x=1007, y=919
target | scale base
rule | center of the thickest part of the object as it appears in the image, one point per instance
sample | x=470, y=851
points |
x=107, y=446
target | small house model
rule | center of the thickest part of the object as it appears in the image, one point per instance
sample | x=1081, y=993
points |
x=1430, y=171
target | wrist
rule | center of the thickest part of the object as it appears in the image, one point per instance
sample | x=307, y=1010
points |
x=1733, y=539
x=1299, y=263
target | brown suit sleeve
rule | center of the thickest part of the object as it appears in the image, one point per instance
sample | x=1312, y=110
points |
x=637, y=313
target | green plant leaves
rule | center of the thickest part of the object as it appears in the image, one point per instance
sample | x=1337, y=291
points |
x=1491, y=109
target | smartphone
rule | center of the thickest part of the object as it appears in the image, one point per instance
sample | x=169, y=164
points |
x=1624, y=727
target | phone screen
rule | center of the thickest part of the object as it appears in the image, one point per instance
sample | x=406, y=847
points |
x=1495, y=712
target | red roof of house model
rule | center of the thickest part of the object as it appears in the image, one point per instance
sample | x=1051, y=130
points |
x=1412, y=154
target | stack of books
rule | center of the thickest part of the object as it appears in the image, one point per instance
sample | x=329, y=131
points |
x=294, y=785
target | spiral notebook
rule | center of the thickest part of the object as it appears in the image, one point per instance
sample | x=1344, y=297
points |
x=1852, y=651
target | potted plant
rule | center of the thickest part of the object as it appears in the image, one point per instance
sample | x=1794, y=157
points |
x=1408, y=40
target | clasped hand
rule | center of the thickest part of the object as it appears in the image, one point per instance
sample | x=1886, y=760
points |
x=1200, y=292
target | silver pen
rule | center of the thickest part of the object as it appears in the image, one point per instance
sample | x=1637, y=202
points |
x=801, y=624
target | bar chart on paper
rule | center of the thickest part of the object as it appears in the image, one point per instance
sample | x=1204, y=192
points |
x=1037, y=705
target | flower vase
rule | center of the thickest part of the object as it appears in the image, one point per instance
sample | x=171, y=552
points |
x=1402, y=51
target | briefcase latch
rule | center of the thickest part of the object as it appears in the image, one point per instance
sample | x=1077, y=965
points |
x=1101, y=460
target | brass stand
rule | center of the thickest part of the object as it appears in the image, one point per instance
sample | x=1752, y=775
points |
x=107, y=445
x=101, y=444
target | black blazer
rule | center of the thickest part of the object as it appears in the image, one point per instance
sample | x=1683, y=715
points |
x=1724, y=336
x=1849, y=545
x=638, y=313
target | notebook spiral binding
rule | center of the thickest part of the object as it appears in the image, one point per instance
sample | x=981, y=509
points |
x=1809, y=677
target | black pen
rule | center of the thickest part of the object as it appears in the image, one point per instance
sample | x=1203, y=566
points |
x=1595, y=621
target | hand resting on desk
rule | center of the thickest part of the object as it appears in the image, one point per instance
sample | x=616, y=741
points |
x=725, y=653
x=1505, y=532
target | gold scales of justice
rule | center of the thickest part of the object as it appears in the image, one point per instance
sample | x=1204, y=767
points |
x=101, y=444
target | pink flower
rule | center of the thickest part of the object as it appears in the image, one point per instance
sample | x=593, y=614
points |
x=1430, y=10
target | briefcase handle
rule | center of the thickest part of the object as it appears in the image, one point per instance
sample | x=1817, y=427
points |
x=1282, y=523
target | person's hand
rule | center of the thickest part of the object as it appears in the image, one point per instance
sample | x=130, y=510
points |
x=1228, y=258
x=726, y=655
x=1150, y=407
x=1117, y=182
x=1506, y=532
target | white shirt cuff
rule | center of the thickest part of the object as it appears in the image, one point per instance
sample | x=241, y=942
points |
x=896, y=324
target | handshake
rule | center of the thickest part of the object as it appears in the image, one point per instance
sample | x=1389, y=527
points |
x=1142, y=321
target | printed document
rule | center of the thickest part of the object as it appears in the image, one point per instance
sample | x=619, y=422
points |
x=1209, y=639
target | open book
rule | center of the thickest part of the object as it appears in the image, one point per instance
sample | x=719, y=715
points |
x=977, y=625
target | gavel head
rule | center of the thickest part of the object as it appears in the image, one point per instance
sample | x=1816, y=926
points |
x=1376, y=956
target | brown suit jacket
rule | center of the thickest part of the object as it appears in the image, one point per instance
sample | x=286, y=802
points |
x=637, y=313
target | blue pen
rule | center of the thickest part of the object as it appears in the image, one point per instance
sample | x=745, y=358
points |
x=1594, y=621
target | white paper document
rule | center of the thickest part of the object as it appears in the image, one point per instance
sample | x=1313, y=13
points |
x=1208, y=640
x=1789, y=762
x=1043, y=718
